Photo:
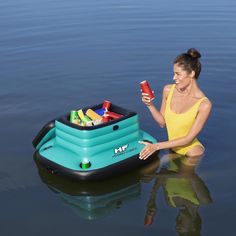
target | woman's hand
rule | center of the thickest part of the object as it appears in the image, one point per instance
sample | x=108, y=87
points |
x=146, y=99
x=148, y=150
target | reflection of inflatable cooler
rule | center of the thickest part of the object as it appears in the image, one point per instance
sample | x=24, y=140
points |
x=93, y=207
x=110, y=148
x=93, y=200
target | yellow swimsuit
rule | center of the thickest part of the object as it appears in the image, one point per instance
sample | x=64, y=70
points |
x=178, y=125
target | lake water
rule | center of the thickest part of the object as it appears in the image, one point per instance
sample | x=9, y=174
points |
x=57, y=55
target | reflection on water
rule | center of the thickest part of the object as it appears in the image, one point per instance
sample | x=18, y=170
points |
x=183, y=189
x=93, y=200
x=93, y=207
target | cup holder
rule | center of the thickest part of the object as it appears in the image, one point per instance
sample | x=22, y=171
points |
x=85, y=165
x=115, y=127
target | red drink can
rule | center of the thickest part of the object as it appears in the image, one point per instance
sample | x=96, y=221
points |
x=106, y=105
x=105, y=118
x=113, y=115
x=145, y=87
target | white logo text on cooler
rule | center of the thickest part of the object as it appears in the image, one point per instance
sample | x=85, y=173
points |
x=121, y=149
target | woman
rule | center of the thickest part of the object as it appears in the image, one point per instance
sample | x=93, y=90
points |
x=184, y=109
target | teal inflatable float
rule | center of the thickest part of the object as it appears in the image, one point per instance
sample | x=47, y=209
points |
x=92, y=152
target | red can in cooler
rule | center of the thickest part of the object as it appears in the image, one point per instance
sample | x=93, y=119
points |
x=105, y=118
x=106, y=105
x=145, y=88
x=113, y=115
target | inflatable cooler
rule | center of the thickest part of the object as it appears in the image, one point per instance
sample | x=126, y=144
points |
x=92, y=152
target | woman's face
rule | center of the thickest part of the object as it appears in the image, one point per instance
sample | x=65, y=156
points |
x=181, y=77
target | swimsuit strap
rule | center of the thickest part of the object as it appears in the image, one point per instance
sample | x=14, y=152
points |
x=170, y=95
x=198, y=103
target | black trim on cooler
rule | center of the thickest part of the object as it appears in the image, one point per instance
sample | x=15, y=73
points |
x=43, y=132
x=98, y=174
x=114, y=108
x=59, y=183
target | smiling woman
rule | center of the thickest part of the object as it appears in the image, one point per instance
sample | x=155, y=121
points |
x=184, y=110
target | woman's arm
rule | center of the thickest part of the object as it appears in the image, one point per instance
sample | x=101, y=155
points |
x=201, y=118
x=157, y=115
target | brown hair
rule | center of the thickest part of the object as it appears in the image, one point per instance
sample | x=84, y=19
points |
x=190, y=61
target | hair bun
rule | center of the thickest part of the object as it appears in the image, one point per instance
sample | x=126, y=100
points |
x=194, y=53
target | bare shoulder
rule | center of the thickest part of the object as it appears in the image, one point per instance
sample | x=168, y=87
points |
x=166, y=90
x=167, y=87
x=205, y=105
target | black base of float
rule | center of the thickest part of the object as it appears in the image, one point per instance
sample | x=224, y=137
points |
x=99, y=174
x=59, y=183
